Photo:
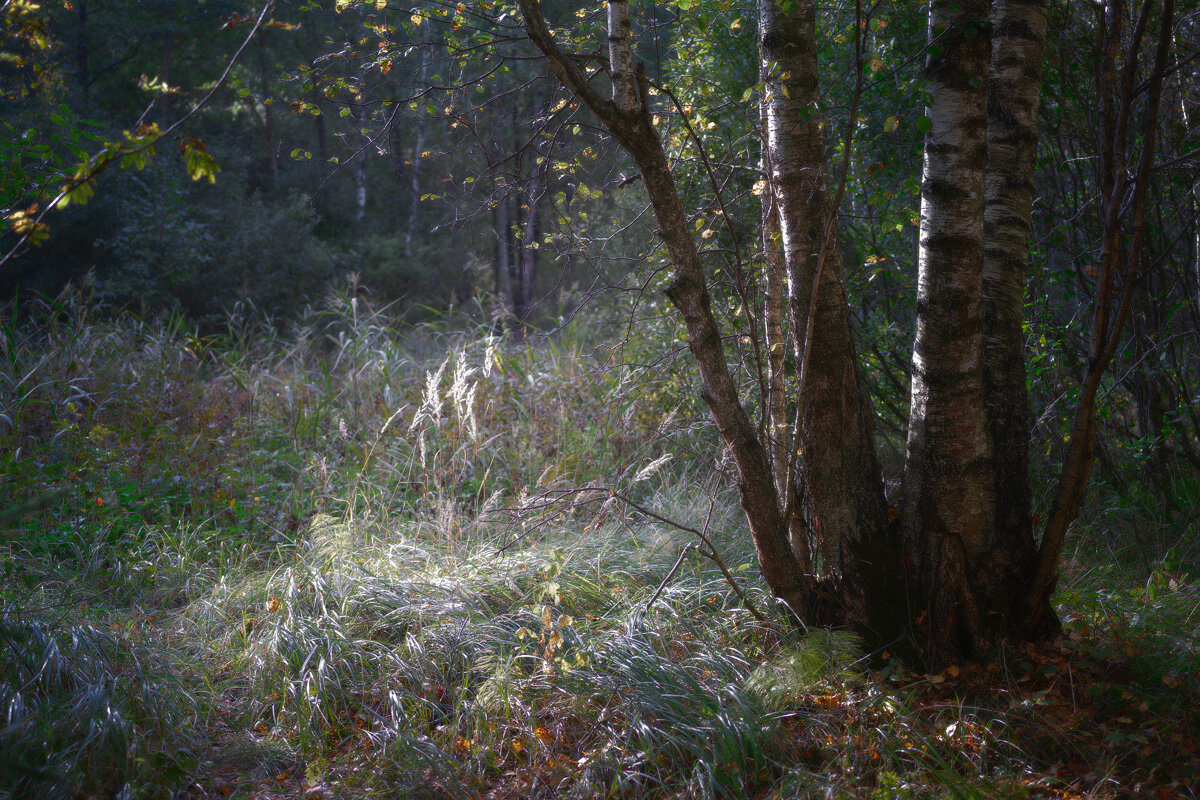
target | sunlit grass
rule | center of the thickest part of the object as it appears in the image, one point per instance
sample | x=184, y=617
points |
x=343, y=559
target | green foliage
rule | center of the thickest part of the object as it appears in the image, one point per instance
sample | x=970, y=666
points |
x=170, y=251
x=58, y=151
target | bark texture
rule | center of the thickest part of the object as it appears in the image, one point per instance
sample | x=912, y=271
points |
x=1014, y=90
x=840, y=476
x=949, y=510
x=777, y=425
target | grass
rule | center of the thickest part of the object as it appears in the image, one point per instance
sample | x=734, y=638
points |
x=345, y=561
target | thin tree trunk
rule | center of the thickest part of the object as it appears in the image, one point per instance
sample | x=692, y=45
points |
x=501, y=267
x=778, y=437
x=360, y=188
x=949, y=495
x=529, y=244
x=1111, y=308
x=322, y=146
x=414, y=202
x=82, y=51
x=1185, y=117
x=841, y=477
x=628, y=120
x=414, y=187
x=271, y=145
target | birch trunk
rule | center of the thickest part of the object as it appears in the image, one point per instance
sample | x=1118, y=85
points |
x=1015, y=76
x=778, y=427
x=949, y=496
x=840, y=476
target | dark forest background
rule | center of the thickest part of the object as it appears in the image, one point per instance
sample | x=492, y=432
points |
x=349, y=446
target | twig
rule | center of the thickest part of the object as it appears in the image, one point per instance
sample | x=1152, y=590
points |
x=708, y=549
x=710, y=553
x=667, y=579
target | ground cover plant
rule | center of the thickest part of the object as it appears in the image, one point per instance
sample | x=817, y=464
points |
x=335, y=558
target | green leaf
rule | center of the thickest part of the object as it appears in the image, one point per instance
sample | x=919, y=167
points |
x=924, y=124
x=199, y=162
x=891, y=124
x=78, y=194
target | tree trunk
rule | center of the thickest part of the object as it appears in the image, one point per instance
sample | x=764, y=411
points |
x=1112, y=303
x=414, y=201
x=82, y=51
x=270, y=143
x=841, y=477
x=628, y=120
x=778, y=437
x=949, y=492
x=501, y=268
x=529, y=244
x=1014, y=79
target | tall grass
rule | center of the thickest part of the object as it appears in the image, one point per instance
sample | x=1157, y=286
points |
x=88, y=710
x=337, y=557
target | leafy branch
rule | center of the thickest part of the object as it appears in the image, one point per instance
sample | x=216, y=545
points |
x=135, y=150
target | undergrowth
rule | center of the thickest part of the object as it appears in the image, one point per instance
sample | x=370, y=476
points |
x=331, y=559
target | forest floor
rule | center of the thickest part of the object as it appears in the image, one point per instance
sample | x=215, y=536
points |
x=347, y=563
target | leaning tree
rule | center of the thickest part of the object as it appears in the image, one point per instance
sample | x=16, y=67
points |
x=954, y=570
